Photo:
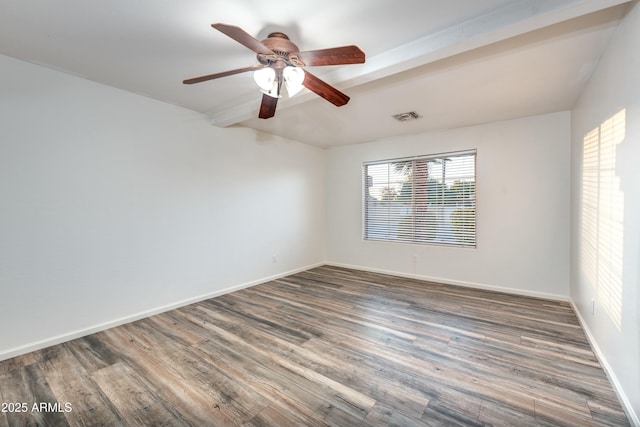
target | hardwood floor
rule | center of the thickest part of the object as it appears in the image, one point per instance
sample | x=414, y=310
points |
x=328, y=346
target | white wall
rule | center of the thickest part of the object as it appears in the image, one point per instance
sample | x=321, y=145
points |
x=523, y=183
x=113, y=205
x=613, y=87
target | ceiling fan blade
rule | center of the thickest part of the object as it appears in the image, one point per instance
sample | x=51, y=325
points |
x=324, y=89
x=333, y=56
x=222, y=74
x=268, y=107
x=242, y=37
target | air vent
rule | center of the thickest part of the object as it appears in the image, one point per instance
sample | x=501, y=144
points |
x=405, y=117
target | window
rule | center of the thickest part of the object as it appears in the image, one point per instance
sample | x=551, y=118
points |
x=426, y=199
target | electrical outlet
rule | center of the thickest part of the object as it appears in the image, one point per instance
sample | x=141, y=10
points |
x=274, y=258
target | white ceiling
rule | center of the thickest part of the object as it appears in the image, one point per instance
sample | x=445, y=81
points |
x=456, y=63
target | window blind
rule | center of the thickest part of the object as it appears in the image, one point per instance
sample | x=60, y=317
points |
x=426, y=199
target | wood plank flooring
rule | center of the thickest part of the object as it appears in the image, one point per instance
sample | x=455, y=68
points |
x=325, y=347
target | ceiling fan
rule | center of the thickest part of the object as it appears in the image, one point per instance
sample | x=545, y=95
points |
x=280, y=64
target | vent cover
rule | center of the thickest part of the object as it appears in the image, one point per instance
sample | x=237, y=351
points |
x=405, y=117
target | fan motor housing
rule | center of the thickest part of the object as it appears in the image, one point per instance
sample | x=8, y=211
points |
x=280, y=42
x=282, y=46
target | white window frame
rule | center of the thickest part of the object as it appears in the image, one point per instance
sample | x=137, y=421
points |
x=421, y=203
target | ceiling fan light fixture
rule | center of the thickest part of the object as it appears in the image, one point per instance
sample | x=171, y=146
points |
x=265, y=78
x=293, y=78
x=270, y=83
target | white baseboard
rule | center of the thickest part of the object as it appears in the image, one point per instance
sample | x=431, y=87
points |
x=58, y=339
x=634, y=418
x=543, y=295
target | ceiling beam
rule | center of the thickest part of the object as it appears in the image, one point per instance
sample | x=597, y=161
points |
x=511, y=20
